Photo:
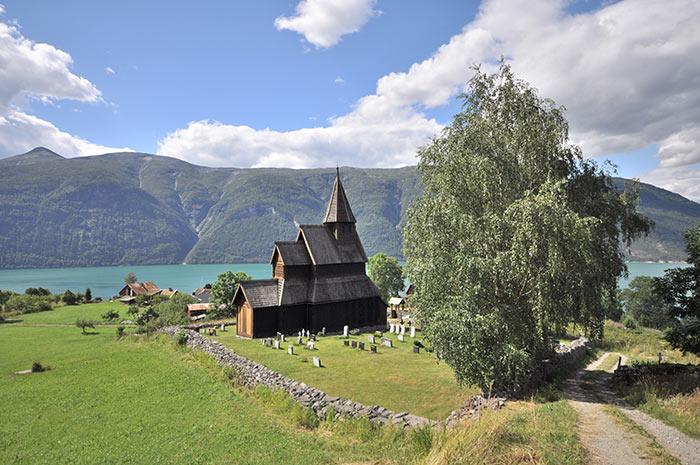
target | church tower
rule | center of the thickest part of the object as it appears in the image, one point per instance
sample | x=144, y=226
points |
x=339, y=218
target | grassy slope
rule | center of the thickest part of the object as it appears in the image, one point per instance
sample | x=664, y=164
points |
x=394, y=378
x=107, y=401
x=68, y=314
x=676, y=402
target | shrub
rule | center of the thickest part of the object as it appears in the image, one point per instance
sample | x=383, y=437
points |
x=120, y=332
x=180, y=338
x=69, y=298
x=37, y=367
x=39, y=291
x=133, y=310
x=110, y=315
x=172, y=312
x=27, y=304
x=629, y=322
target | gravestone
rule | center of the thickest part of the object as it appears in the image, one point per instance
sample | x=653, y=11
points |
x=345, y=331
x=223, y=327
x=413, y=331
x=391, y=328
x=400, y=337
x=299, y=339
x=346, y=343
x=301, y=333
x=290, y=350
x=323, y=331
x=276, y=344
x=361, y=345
x=388, y=343
x=403, y=330
x=373, y=349
x=370, y=339
x=281, y=337
x=317, y=362
x=353, y=344
x=416, y=349
x=311, y=345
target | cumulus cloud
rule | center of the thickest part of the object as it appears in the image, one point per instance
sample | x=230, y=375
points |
x=324, y=22
x=628, y=74
x=37, y=71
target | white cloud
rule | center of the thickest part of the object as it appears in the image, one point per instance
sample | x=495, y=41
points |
x=324, y=22
x=109, y=70
x=628, y=74
x=339, y=81
x=36, y=71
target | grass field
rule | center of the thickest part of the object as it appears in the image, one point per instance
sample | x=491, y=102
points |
x=395, y=378
x=642, y=344
x=108, y=401
x=67, y=314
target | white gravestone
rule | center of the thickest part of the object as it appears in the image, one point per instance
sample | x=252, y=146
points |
x=345, y=331
x=290, y=350
x=403, y=330
x=400, y=337
x=317, y=362
x=311, y=345
x=388, y=343
x=391, y=328
x=299, y=339
x=223, y=327
x=281, y=337
x=370, y=339
x=413, y=331
x=276, y=344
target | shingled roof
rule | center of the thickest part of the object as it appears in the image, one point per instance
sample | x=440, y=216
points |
x=338, y=210
x=260, y=293
x=293, y=253
x=325, y=250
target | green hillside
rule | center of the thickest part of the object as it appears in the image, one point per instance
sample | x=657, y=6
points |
x=134, y=208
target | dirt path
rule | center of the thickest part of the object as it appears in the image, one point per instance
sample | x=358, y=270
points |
x=588, y=392
x=607, y=441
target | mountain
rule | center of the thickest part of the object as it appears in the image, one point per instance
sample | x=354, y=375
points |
x=137, y=208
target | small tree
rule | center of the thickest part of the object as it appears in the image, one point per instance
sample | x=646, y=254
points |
x=386, y=273
x=69, y=298
x=642, y=303
x=88, y=295
x=133, y=310
x=222, y=292
x=84, y=324
x=40, y=291
x=130, y=278
x=680, y=289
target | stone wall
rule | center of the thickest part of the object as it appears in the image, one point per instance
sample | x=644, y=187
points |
x=251, y=374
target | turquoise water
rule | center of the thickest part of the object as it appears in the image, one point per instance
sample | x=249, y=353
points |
x=106, y=281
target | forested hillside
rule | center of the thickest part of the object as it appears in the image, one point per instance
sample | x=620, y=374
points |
x=133, y=208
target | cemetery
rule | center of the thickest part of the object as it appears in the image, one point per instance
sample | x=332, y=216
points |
x=369, y=368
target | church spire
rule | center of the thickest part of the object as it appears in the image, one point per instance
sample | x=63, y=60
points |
x=338, y=210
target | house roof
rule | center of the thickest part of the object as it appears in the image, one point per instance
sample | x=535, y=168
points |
x=168, y=292
x=338, y=210
x=338, y=288
x=293, y=253
x=396, y=301
x=150, y=287
x=197, y=307
x=326, y=250
x=259, y=292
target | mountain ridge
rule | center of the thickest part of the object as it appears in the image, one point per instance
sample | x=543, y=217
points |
x=131, y=208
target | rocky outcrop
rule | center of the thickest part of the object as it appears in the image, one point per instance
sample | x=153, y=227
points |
x=251, y=374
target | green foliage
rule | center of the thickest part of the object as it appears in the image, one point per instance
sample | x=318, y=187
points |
x=644, y=304
x=120, y=332
x=516, y=234
x=180, y=338
x=173, y=311
x=386, y=273
x=69, y=298
x=146, y=316
x=22, y=303
x=680, y=289
x=4, y=297
x=630, y=322
x=85, y=324
x=130, y=278
x=88, y=295
x=110, y=315
x=40, y=291
x=133, y=310
x=222, y=292
x=421, y=439
x=37, y=367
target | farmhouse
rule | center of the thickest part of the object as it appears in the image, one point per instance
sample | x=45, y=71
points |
x=134, y=289
x=318, y=280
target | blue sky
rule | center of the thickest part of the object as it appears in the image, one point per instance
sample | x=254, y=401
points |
x=358, y=82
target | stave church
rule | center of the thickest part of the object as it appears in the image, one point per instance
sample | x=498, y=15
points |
x=318, y=280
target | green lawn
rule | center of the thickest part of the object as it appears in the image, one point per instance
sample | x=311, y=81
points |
x=106, y=402
x=395, y=378
x=67, y=314
x=642, y=344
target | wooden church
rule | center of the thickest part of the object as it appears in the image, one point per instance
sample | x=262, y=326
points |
x=318, y=280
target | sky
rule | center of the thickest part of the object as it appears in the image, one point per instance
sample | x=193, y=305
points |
x=319, y=83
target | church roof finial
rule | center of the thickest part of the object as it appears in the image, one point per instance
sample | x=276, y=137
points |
x=338, y=210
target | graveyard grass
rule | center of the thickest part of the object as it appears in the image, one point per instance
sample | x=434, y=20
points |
x=394, y=378
x=110, y=401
